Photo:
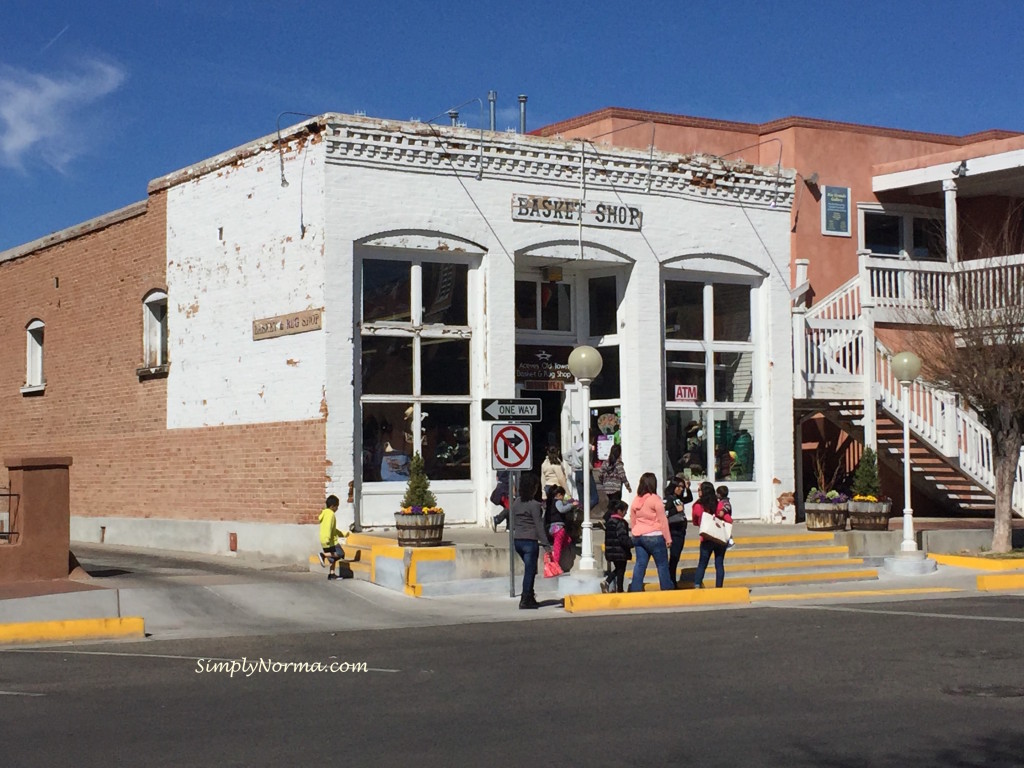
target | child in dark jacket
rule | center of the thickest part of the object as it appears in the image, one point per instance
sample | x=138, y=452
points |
x=618, y=547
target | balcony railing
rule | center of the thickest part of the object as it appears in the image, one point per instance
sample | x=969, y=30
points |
x=926, y=291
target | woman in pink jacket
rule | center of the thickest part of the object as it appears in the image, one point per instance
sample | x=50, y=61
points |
x=651, y=536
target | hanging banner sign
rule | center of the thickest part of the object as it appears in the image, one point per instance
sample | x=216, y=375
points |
x=567, y=210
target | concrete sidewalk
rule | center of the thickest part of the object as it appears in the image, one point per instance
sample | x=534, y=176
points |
x=192, y=595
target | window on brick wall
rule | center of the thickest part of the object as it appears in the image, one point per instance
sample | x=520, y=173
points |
x=34, y=379
x=154, y=329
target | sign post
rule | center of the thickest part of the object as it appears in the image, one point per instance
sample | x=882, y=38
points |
x=512, y=452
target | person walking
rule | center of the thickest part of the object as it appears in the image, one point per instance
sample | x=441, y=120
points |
x=618, y=548
x=552, y=472
x=613, y=476
x=677, y=496
x=708, y=504
x=530, y=536
x=499, y=498
x=555, y=521
x=651, y=535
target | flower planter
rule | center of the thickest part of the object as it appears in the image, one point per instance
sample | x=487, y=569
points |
x=419, y=530
x=825, y=517
x=869, y=515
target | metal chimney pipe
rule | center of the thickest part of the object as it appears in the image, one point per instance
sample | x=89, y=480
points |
x=454, y=115
x=522, y=113
x=492, y=98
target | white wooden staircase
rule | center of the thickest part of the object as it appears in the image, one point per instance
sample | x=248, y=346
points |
x=841, y=366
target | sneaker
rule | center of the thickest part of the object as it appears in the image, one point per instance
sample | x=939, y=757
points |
x=605, y=587
x=323, y=560
x=332, y=576
x=494, y=524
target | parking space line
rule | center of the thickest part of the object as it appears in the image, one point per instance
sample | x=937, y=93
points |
x=922, y=614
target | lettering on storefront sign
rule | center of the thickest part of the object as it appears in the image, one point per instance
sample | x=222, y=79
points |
x=567, y=210
x=686, y=392
x=286, y=325
x=543, y=368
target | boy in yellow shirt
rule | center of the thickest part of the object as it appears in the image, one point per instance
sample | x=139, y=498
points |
x=329, y=534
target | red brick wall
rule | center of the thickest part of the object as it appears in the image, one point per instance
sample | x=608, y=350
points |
x=96, y=410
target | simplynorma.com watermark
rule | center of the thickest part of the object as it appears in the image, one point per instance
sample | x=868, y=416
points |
x=248, y=668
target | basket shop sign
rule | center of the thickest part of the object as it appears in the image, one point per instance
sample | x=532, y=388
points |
x=567, y=210
x=286, y=325
x=543, y=368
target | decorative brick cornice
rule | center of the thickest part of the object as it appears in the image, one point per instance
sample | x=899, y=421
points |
x=423, y=148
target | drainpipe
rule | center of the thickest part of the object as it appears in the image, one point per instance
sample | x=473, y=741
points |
x=522, y=113
x=492, y=98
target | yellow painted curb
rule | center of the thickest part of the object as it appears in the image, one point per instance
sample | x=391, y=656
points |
x=678, y=598
x=798, y=578
x=366, y=540
x=755, y=598
x=424, y=555
x=72, y=629
x=978, y=563
x=781, y=552
x=996, y=582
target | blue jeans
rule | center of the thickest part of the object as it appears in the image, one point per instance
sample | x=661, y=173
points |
x=529, y=551
x=707, y=548
x=646, y=548
x=676, y=550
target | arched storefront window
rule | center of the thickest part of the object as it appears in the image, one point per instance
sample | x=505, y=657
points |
x=415, y=358
x=710, y=386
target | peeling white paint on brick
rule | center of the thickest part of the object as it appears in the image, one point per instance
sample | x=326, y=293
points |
x=235, y=253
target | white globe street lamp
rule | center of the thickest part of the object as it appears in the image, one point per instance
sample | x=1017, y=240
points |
x=585, y=364
x=905, y=367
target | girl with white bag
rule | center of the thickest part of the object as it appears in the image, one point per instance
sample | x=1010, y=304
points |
x=714, y=520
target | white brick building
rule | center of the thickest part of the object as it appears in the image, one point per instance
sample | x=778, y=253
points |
x=452, y=265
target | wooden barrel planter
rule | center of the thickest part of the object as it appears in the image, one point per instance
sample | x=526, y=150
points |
x=419, y=530
x=825, y=517
x=869, y=515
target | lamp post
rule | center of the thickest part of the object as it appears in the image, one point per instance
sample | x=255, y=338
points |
x=585, y=364
x=905, y=367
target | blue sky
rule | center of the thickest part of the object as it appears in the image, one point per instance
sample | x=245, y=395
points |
x=97, y=98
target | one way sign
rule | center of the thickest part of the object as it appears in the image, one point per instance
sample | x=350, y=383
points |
x=527, y=409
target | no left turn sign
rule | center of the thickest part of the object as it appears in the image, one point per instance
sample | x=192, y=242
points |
x=511, y=446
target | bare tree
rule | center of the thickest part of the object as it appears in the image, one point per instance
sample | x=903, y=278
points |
x=974, y=346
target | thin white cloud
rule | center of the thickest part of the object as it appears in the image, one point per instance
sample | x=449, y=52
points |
x=40, y=114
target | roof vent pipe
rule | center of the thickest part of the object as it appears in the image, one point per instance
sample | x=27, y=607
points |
x=454, y=115
x=522, y=113
x=492, y=98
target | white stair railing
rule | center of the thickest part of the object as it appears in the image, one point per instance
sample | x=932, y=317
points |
x=950, y=430
x=833, y=337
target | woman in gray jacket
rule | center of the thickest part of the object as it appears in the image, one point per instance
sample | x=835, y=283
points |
x=528, y=521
